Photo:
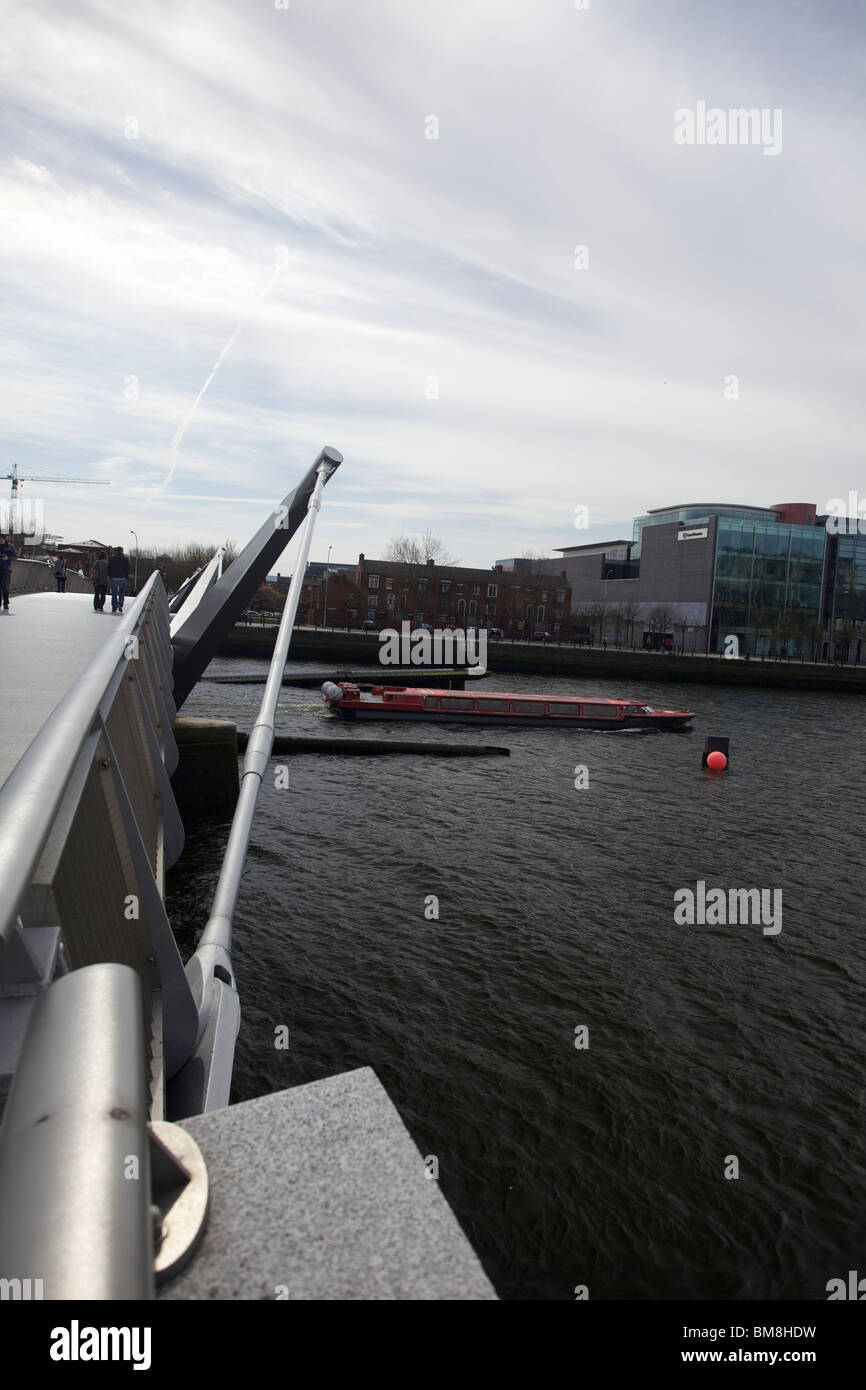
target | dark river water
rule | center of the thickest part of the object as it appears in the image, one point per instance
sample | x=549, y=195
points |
x=602, y=1165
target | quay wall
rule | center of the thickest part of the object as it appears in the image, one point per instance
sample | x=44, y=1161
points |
x=351, y=649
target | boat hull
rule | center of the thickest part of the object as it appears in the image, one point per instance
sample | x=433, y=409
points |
x=368, y=712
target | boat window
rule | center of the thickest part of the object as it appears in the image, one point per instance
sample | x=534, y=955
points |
x=560, y=707
x=457, y=703
x=431, y=702
x=528, y=707
x=494, y=706
x=600, y=711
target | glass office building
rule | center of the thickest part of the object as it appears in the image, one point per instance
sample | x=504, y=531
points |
x=767, y=586
x=848, y=610
x=693, y=514
x=775, y=577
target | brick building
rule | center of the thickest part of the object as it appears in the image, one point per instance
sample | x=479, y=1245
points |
x=387, y=592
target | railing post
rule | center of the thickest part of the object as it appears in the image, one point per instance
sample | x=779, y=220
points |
x=74, y=1148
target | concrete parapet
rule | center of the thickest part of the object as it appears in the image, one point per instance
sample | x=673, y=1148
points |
x=207, y=770
x=34, y=576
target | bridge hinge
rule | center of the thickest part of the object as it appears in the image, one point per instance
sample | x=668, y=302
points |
x=179, y=1197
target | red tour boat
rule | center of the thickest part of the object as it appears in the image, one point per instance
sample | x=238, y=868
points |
x=494, y=707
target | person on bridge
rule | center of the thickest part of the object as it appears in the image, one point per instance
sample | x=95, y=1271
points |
x=99, y=578
x=60, y=574
x=8, y=553
x=118, y=570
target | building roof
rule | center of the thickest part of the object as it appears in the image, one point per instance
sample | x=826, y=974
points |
x=420, y=571
x=710, y=507
x=592, y=548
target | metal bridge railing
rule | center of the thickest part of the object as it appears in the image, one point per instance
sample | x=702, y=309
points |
x=89, y=827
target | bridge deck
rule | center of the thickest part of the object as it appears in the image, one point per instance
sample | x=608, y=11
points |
x=46, y=641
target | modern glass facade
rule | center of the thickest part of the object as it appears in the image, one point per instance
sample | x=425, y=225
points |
x=767, y=586
x=849, y=601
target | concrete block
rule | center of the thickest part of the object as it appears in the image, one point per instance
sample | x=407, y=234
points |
x=206, y=775
x=319, y=1193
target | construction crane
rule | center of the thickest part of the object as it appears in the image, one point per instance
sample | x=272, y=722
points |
x=16, y=520
x=48, y=478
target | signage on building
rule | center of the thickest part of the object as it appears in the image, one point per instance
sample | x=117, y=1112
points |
x=697, y=533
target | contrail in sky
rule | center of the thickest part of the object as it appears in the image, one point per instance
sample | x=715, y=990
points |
x=184, y=425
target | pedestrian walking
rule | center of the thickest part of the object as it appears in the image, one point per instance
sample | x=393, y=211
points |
x=118, y=571
x=8, y=553
x=60, y=574
x=99, y=578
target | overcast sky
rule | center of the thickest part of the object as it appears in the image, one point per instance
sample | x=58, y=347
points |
x=216, y=181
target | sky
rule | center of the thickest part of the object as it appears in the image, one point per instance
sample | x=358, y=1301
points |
x=232, y=233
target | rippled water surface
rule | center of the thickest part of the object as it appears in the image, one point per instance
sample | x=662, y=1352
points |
x=602, y=1166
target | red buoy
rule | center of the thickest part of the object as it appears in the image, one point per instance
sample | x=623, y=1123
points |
x=717, y=761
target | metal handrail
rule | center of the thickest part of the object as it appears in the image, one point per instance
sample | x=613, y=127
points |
x=218, y=931
x=74, y=1165
x=209, y=969
x=32, y=794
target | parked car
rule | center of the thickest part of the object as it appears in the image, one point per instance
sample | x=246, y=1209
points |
x=495, y=632
x=368, y=625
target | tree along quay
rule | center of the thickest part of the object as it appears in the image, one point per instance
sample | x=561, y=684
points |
x=342, y=648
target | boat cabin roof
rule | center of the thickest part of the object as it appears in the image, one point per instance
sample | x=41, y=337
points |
x=499, y=695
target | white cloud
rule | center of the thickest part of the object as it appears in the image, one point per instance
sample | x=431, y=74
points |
x=36, y=172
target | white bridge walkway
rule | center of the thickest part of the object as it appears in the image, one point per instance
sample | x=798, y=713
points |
x=46, y=641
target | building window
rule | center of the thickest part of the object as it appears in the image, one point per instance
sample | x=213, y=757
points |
x=446, y=585
x=389, y=583
x=477, y=589
x=544, y=596
x=422, y=586
x=372, y=581
x=560, y=596
x=491, y=591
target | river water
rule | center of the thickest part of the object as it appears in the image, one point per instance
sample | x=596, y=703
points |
x=711, y=1049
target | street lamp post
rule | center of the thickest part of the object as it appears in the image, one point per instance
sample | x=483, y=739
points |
x=135, y=575
x=325, y=604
